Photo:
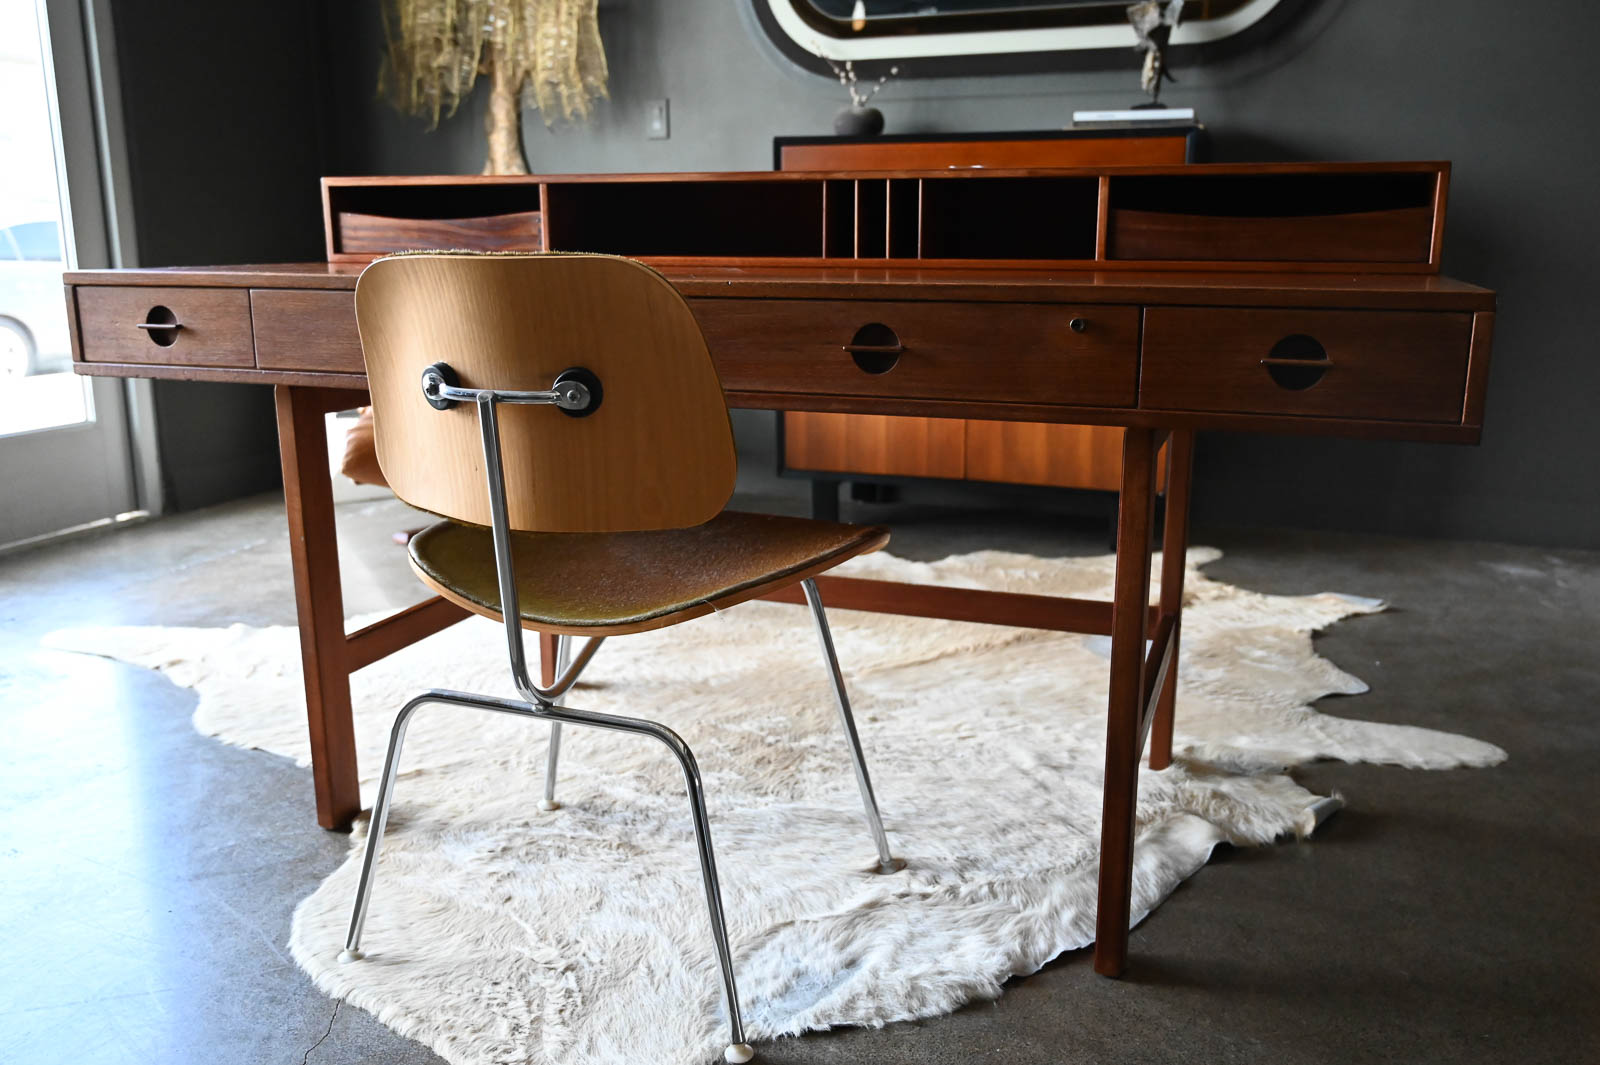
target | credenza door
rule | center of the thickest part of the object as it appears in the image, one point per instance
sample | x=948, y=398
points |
x=880, y=445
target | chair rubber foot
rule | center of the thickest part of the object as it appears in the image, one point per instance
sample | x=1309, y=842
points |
x=347, y=956
x=738, y=1053
x=893, y=865
x=549, y=804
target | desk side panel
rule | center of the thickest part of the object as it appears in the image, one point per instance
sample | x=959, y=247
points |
x=1478, y=369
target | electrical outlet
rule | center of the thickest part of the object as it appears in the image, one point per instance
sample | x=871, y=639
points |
x=656, y=124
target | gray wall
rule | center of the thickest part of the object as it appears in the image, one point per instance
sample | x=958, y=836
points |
x=1499, y=88
x=221, y=106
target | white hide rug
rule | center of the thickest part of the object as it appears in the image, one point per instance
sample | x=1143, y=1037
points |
x=502, y=933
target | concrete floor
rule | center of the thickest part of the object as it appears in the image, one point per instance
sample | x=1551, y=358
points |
x=147, y=875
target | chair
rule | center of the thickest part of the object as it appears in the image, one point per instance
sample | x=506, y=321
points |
x=562, y=415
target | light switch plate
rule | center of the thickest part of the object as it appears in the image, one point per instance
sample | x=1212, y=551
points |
x=657, y=125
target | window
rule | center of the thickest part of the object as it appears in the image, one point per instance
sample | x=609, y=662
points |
x=37, y=241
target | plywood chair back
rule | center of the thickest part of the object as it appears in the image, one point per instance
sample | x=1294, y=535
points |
x=657, y=453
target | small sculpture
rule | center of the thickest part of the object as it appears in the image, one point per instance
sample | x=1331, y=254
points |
x=1153, y=22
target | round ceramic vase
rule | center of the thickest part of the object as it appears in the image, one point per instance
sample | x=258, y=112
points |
x=858, y=122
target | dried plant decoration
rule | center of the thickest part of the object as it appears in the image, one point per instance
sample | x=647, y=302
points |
x=543, y=54
x=859, y=97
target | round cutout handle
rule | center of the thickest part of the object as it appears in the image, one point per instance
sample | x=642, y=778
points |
x=160, y=325
x=875, y=348
x=1297, y=362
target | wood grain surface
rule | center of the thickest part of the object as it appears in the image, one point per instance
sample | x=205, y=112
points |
x=999, y=153
x=1381, y=364
x=215, y=326
x=378, y=234
x=875, y=444
x=313, y=331
x=952, y=350
x=657, y=453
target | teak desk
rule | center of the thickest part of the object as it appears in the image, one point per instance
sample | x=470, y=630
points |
x=1383, y=348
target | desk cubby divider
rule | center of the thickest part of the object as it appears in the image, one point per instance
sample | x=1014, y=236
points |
x=1382, y=217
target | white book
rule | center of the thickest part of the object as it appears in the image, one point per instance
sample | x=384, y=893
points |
x=1142, y=114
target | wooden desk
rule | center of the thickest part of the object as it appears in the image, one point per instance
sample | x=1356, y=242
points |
x=1160, y=353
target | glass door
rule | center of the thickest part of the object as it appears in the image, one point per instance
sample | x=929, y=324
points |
x=64, y=450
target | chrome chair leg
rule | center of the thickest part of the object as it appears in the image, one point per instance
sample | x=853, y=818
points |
x=887, y=862
x=563, y=656
x=738, y=1050
x=380, y=816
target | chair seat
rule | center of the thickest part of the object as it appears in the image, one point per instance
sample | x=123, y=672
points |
x=605, y=584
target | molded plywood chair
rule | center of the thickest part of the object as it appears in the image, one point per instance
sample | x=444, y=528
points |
x=591, y=505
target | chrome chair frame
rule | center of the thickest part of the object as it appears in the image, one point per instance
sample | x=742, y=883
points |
x=547, y=704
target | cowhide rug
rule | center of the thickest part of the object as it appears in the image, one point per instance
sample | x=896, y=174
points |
x=503, y=933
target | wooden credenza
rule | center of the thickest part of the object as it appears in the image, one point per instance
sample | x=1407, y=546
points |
x=829, y=447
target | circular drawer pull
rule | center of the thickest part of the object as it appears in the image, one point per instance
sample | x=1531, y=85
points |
x=875, y=348
x=1297, y=362
x=160, y=325
x=1301, y=363
x=1079, y=325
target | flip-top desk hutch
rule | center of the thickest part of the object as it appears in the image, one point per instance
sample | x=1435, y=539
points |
x=1298, y=298
x=877, y=451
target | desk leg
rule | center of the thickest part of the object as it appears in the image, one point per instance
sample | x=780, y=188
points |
x=1125, y=707
x=547, y=658
x=319, y=599
x=1174, y=548
x=825, y=499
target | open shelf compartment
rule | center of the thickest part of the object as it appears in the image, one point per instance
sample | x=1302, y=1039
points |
x=1020, y=218
x=1310, y=217
x=366, y=220
x=1379, y=217
x=687, y=219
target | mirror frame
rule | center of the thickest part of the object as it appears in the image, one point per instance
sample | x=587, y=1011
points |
x=1024, y=49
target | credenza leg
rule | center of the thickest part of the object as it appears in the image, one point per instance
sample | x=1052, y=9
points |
x=319, y=599
x=1125, y=706
x=825, y=500
x=1174, y=548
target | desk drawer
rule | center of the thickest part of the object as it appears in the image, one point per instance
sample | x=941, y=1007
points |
x=210, y=326
x=313, y=332
x=979, y=351
x=1382, y=365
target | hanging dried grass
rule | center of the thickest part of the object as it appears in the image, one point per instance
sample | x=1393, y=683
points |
x=437, y=48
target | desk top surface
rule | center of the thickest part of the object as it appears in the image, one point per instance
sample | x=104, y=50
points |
x=1264, y=288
